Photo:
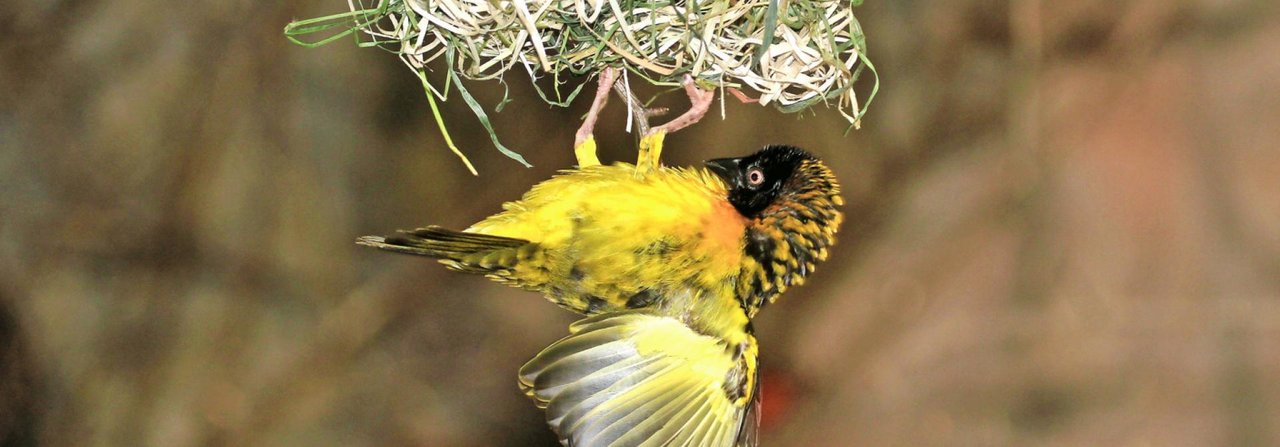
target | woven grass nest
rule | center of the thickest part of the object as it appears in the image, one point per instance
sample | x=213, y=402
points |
x=789, y=53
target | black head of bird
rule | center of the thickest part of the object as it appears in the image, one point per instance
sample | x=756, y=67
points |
x=791, y=199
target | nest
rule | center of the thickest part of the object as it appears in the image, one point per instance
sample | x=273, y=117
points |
x=790, y=53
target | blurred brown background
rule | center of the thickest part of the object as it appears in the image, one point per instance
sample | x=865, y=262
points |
x=1064, y=229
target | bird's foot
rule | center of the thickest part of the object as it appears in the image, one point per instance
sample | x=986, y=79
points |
x=651, y=138
x=651, y=141
x=699, y=100
x=742, y=97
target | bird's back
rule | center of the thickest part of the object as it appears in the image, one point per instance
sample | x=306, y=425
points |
x=609, y=238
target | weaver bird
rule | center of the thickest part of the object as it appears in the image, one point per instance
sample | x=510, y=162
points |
x=670, y=267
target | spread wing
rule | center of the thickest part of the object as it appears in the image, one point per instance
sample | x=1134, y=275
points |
x=638, y=379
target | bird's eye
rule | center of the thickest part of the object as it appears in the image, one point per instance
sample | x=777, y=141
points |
x=755, y=177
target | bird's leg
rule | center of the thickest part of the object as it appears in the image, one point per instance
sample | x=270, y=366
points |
x=742, y=97
x=699, y=100
x=640, y=114
x=584, y=142
x=651, y=141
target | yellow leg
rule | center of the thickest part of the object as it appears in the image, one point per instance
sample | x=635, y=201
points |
x=586, y=152
x=650, y=151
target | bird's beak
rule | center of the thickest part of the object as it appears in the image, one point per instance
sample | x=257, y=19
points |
x=726, y=168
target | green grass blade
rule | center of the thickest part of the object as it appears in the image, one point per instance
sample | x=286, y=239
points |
x=483, y=117
x=350, y=22
x=435, y=111
x=770, y=27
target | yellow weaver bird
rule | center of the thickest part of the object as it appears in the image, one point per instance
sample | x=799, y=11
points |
x=669, y=265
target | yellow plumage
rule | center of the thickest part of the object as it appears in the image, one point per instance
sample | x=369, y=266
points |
x=669, y=264
x=608, y=226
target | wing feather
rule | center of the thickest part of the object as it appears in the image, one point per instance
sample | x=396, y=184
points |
x=748, y=432
x=701, y=431
x=638, y=379
x=657, y=429
x=686, y=420
x=630, y=399
x=627, y=425
x=575, y=402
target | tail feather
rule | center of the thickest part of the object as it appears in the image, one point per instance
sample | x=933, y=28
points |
x=470, y=252
x=436, y=233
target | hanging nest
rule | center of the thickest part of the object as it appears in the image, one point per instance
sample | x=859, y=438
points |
x=789, y=53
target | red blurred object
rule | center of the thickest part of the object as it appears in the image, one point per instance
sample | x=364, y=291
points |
x=777, y=396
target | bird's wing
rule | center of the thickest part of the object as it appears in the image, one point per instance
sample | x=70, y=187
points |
x=639, y=379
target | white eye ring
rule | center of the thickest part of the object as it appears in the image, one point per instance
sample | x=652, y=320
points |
x=755, y=177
